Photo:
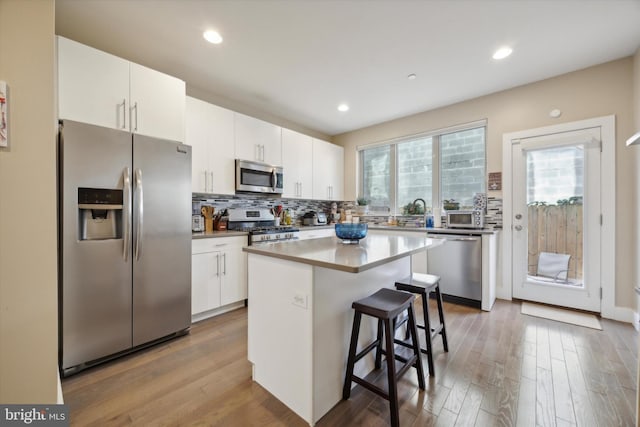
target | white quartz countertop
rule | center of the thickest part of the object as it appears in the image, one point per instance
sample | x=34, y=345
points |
x=467, y=231
x=330, y=252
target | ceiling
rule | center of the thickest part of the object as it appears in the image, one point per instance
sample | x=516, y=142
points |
x=298, y=60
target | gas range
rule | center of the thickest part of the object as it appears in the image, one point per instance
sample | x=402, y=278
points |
x=260, y=224
x=272, y=234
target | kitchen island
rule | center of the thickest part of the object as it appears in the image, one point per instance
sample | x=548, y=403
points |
x=300, y=315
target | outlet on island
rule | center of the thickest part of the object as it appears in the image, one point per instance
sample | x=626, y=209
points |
x=300, y=300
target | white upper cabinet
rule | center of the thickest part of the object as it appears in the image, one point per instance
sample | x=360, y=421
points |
x=93, y=86
x=157, y=103
x=328, y=171
x=297, y=150
x=101, y=89
x=209, y=131
x=258, y=140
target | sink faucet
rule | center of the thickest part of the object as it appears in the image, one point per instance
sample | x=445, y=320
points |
x=424, y=217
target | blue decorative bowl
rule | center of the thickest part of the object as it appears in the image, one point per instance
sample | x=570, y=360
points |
x=351, y=233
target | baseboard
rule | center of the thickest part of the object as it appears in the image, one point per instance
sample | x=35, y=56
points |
x=621, y=314
x=216, y=311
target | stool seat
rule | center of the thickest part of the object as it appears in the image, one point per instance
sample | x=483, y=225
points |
x=384, y=304
x=424, y=284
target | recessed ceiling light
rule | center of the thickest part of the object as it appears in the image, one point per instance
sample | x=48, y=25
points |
x=343, y=107
x=411, y=76
x=502, y=53
x=212, y=37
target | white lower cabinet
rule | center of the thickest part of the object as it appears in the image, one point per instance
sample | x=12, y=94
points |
x=218, y=274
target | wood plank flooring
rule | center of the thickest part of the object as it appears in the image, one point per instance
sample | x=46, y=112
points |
x=503, y=369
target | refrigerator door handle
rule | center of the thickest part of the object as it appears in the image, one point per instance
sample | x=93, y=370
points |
x=126, y=179
x=139, y=205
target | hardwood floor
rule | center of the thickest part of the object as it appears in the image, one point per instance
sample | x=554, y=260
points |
x=503, y=369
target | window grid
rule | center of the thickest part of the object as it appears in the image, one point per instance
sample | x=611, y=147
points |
x=463, y=176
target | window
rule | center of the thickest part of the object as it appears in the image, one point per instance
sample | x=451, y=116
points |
x=377, y=175
x=436, y=166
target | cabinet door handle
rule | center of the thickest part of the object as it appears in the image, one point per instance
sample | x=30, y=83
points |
x=217, y=265
x=134, y=109
x=124, y=113
x=256, y=151
x=211, y=185
x=224, y=263
x=206, y=182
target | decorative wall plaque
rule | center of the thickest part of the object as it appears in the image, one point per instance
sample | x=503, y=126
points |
x=495, y=181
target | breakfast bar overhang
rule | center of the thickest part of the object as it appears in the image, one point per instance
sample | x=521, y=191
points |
x=300, y=314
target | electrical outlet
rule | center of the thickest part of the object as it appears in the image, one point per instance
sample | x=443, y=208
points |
x=300, y=300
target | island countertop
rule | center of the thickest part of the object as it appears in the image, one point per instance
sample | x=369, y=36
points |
x=330, y=252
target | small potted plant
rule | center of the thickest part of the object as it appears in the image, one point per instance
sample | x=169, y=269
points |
x=363, y=206
x=450, y=205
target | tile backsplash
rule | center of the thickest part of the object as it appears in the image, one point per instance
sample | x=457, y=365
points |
x=493, y=217
x=298, y=206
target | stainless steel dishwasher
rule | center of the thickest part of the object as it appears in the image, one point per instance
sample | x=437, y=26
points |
x=458, y=262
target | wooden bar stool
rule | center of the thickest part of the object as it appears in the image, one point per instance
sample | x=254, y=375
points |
x=424, y=284
x=385, y=305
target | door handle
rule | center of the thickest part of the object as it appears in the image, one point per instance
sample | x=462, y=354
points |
x=135, y=108
x=211, y=185
x=518, y=227
x=217, y=265
x=140, y=221
x=124, y=113
x=224, y=263
x=126, y=238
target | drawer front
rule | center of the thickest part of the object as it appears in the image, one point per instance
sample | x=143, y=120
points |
x=199, y=246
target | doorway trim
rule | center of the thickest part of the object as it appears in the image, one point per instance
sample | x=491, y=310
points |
x=608, y=201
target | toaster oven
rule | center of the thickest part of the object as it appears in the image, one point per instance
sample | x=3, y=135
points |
x=465, y=219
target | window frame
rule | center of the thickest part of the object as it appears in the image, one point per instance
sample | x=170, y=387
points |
x=436, y=178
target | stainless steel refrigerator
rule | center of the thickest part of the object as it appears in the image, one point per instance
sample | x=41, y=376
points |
x=125, y=242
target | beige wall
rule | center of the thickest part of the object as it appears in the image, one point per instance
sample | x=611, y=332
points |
x=597, y=91
x=28, y=263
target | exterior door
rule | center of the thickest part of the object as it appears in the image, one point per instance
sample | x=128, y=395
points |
x=557, y=218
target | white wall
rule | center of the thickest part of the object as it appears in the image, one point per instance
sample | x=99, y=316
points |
x=28, y=262
x=593, y=92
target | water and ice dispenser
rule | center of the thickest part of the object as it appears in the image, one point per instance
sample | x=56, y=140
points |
x=100, y=213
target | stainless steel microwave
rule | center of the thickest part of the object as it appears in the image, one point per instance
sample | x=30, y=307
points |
x=257, y=177
x=465, y=219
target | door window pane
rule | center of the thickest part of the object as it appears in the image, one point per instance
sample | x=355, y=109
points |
x=376, y=167
x=415, y=171
x=462, y=165
x=555, y=190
